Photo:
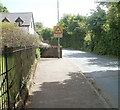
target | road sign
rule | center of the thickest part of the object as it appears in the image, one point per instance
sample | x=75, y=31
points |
x=58, y=31
x=58, y=35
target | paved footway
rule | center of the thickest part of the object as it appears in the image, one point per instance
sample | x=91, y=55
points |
x=59, y=83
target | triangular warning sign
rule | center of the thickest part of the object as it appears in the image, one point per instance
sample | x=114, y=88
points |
x=58, y=30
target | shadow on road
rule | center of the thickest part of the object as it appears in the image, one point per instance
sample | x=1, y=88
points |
x=108, y=82
x=99, y=69
x=71, y=93
x=103, y=74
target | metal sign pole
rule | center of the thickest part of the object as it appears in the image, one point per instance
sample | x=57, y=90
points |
x=58, y=25
x=58, y=47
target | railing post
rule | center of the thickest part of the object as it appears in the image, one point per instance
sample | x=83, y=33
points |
x=7, y=82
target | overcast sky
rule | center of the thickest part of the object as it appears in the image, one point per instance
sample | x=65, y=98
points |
x=45, y=11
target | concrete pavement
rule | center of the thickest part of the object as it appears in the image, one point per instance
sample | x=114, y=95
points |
x=58, y=83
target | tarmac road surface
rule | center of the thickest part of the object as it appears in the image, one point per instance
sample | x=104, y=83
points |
x=101, y=71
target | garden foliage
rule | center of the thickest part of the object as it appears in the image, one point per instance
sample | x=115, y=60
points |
x=14, y=36
x=98, y=32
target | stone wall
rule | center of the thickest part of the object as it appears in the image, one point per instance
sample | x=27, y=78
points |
x=51, y=52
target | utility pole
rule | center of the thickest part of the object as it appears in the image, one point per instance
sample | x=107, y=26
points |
x=58, y=25
x=58, y=10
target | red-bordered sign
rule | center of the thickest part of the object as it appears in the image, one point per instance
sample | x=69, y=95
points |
x=58, y=30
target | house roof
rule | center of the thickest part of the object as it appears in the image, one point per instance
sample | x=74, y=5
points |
x=26, y=17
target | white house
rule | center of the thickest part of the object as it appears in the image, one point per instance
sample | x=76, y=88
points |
x=23, y=20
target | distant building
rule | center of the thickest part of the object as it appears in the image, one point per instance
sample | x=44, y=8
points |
x=23, y=20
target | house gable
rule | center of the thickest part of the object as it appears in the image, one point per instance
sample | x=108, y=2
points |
x=5, y=20
x=19, y=21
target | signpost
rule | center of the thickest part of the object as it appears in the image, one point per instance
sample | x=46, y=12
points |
x=58, y=33
x=58, y=30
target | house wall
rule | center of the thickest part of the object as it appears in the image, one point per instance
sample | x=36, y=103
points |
x=31, y=27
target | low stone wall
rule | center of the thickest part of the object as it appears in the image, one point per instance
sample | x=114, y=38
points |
x=51, y=52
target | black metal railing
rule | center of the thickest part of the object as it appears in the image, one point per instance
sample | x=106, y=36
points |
x=15, y=66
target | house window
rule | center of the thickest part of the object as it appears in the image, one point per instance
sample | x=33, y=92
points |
x=19, y=21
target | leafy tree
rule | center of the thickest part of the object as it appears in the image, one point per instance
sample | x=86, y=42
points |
x=103, y=30
x=38, y=28
x=3, y=9
x=46, y=33
x=114, y=28
x=38, y=25
x=73, y=31
x=96, y=27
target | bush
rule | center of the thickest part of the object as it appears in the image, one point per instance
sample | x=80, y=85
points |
x=14, y=36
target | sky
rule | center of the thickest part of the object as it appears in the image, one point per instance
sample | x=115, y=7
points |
x=45, y=11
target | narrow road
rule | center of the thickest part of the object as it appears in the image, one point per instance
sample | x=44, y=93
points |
x=101, y=71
